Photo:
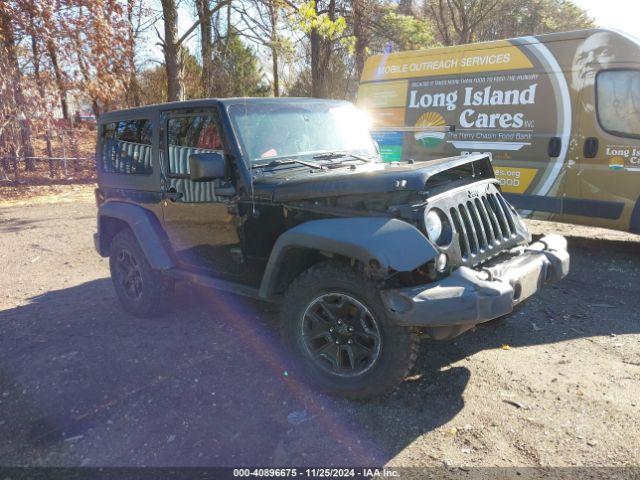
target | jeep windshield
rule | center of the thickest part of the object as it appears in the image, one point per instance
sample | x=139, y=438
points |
x=311, y=131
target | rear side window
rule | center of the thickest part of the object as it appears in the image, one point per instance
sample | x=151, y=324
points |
x=618, y=101
x=126, y=147
x=187, y=135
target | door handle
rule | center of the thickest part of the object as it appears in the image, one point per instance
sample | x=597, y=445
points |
x=590, y=147
x=555, y=145
x=173, y=194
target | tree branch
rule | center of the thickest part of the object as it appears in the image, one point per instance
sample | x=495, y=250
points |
x=197, y=23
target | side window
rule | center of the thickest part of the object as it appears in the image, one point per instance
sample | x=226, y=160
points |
x=187, y=135
x=618, y=102
x=126, y=147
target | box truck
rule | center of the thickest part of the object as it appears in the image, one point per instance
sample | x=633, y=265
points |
x=560, y=114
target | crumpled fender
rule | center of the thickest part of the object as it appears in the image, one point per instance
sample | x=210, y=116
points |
x=392, y=243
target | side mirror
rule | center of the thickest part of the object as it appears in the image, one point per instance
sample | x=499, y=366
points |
x=205, y=167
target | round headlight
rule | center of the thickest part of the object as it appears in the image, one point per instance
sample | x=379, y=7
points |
x=433, y=225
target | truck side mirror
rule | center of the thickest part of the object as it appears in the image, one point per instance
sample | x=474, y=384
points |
x=204, y=167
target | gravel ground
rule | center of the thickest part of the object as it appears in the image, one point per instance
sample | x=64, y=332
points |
x=82, y=383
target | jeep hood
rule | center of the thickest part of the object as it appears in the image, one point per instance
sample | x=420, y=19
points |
x=296, y=183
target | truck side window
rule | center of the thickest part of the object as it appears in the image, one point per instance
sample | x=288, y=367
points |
x=618, y=101
x=187, y=135
x=126, y=147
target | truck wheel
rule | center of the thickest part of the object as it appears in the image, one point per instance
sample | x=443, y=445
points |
x=142, y=291
x=335, y=324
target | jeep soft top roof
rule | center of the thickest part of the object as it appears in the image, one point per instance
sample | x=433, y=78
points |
x=203, y=102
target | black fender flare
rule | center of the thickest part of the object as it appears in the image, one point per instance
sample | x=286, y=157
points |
x=392, y=243
x=143, y=225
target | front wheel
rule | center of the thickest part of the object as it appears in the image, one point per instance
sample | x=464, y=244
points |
x=337, y=329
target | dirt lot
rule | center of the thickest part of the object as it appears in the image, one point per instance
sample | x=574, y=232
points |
x=82, y=383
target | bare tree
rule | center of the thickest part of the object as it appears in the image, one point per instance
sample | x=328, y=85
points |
x=362, y=13
x=458, y=20
x=324, y=24
x=139, y=21
x=273, y=10
x=172, y=44
x=36, y=54
x=14, y=73
x=260, y=22
x=172, y=51
x=465, y=21
x=534, y=18
x=206, y=47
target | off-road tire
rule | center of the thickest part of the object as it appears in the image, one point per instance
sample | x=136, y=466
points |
x=156, y=289
x=398, y=345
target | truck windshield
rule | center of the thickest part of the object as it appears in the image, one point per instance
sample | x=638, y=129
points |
x=275, y=130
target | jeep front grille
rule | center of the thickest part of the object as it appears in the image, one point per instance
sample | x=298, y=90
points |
x=484, y=226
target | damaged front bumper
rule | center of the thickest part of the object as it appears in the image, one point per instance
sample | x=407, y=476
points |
x=468, y=297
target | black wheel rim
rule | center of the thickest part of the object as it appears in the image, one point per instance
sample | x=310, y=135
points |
x=340, y=335
x=128, y=273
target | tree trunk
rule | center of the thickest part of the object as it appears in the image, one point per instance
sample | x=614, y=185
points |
x=316, y=74
x=35, y=51
x=274, y=66
x=134, y=87
x=13, y=154
x=359, y=32
x=16, y=80
x=321, y=55
x=405, y=7
x=172, y=52
x=273, y=18
x=4, y=159
x=60, y=80
x=441, y=15
x=84, y=71
x=206, y=47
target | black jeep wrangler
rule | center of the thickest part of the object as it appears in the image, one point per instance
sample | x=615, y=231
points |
x=288, y=201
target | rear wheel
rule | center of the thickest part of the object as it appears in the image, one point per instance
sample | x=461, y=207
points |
x=336, y=326
x=142, y=291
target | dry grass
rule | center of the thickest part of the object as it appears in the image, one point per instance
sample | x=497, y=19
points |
x=41, y=194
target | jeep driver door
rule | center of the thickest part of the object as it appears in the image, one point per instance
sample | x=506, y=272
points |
x=198, y=221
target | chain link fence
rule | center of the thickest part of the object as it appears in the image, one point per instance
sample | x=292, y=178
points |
x=59, y=154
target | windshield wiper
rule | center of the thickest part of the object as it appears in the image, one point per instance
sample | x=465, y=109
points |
x=288, y=161
x=330, y=155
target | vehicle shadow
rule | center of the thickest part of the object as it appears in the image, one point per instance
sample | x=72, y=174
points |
x=83, y=383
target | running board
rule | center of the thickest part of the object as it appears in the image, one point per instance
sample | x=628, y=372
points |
x=216, y=283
